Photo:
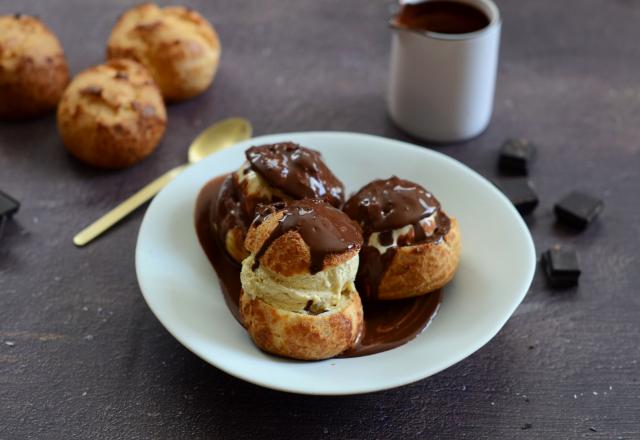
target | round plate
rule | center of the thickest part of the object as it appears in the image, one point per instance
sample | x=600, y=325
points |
x=496, y=269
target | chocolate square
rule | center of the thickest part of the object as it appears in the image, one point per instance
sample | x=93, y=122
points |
x=520, y=192
x=8, y=205
x=561, y=267
x=516, y=156
x=578, y=209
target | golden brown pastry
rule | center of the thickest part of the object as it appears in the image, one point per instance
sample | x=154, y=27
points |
x=112, y=115
x=298, y=295
x=274, y=172
x=33, y=69
x=423, y=267
x=411, y=246
x=178, y=46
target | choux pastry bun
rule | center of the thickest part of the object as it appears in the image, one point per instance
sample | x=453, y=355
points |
x=33, y=68
x=178, y=46
x=112, y=115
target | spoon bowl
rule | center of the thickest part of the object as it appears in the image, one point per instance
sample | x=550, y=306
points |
x=219, y=136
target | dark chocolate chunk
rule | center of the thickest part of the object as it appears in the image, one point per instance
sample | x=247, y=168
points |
x=561, y=267
x=516, y=156
x=578, y=209
x=8, y=205
x=520, y=192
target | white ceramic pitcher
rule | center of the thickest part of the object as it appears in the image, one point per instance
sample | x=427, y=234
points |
x=441, y=86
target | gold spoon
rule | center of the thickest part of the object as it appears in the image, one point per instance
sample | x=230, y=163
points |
x=215, y=138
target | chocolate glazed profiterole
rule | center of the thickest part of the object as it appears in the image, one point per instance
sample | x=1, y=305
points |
x=272, y=173
x=411, y=246
x=298, y=295
x=296, y=171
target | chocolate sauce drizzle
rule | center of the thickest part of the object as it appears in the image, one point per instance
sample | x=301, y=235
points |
x=383, y=206
x=325, y=229
x=297, y=171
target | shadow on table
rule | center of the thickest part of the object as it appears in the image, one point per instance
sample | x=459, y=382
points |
x=248, y=411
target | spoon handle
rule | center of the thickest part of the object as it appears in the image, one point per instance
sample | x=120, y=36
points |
x=125, y=208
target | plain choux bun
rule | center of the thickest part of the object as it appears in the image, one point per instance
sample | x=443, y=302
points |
x=33, y=69
x=112, y=115
x=423, y=267
x=303, y=336
x=178, y=46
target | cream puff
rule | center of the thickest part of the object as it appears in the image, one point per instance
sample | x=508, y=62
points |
x=272, y=173
x=33, y=68
x=298, y=294
x=411, y=247
x=178, y=45
x=112, y=115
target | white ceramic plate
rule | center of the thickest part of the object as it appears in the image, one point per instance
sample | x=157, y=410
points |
x=496, y=269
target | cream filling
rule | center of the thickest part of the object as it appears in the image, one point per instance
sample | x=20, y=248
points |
x=256, y=185
x=302, y=293
x=428, y=224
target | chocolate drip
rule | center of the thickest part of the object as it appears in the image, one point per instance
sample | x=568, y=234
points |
x=383, y=206
x=297, y=171
x=227, y=269
x=325, y=229
x=226, y=212
x=371, y=270
x=386, y=238
x=418, y=233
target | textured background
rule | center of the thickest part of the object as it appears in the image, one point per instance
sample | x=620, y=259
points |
x=81, y=355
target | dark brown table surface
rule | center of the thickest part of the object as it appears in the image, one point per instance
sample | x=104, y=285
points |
x=82, y=356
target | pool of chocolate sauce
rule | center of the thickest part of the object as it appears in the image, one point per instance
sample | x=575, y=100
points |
x=387, y=324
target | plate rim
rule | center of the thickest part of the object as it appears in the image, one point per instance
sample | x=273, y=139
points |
x=389, y=384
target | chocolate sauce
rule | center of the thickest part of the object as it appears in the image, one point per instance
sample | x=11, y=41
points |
x=387, y=324
x=226, y=211
x=444, y=17
x=325, y=229
x=297, y=171
x=373, y=266
x=227, y=269
x=383, y=206
x=390, y=324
